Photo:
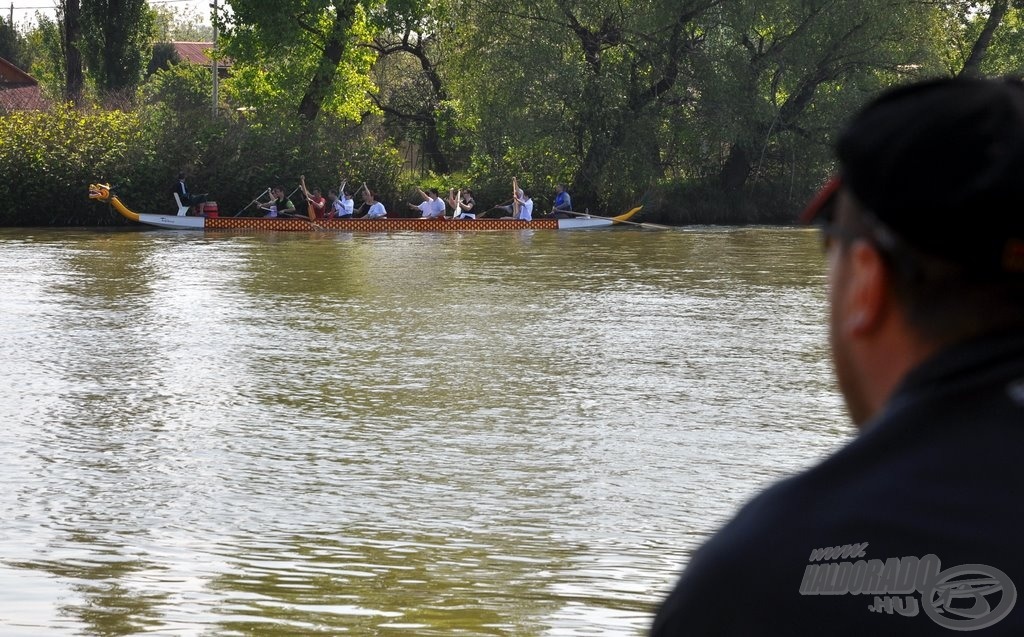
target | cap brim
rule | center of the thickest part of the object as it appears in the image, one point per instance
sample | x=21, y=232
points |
x=821, y=200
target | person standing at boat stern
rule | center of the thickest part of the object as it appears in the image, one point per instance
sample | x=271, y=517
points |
x=916, y=526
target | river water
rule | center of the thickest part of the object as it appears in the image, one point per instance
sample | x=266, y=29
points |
x=410, y=434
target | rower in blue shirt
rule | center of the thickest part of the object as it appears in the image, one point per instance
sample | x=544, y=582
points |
x=563, y=202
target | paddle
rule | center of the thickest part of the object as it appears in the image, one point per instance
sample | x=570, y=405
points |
x=356, y=208
x=632, y=223
x=457, y=207
x=515, y=198
x=366, y=188
x=256, y=200
x=483, y=213
x=425, y=197
x=305, y=194
x=310, y=208
x=341, y=193
x=288, y=213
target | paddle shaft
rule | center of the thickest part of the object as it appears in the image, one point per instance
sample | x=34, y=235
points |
x=256, y=200
x=310, y=208
x=515, y=198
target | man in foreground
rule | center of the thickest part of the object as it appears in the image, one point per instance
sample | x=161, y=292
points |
x=917, y=526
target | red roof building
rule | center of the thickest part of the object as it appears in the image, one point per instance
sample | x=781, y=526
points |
x=199, y=53
x=19, y=91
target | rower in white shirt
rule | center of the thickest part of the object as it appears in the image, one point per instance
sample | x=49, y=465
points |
x=432, y=206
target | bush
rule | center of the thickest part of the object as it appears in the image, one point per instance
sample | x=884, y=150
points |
x=705, y=203
x=52, y=157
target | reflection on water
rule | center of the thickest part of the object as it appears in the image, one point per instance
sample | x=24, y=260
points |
x=422, y=434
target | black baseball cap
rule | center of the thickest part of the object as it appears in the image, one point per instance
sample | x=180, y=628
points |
x=941, y=164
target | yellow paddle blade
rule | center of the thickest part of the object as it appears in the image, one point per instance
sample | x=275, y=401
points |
x=628, y=214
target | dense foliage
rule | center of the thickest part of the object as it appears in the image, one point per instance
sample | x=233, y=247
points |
x=716, y=111
x=12, y=44
x=118, y=42
x=55, y=155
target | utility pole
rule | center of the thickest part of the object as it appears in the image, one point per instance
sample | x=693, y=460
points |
x=214, y=65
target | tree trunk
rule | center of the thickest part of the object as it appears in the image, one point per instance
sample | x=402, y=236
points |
x=334, y=48
x=432, y=148
x=972, y=67
x=426, y=116
x=118, y=73
x=736, y=169
x=608, y=127
x=73, y=78
x=588, y=177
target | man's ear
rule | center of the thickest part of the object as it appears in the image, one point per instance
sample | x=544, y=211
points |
x=866, y=290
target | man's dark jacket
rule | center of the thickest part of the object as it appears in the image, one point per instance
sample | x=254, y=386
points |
x=914, y=528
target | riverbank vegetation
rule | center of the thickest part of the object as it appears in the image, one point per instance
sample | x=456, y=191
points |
x=706, y=111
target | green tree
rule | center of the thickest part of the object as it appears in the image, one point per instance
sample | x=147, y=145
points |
x=581, y=85
x=415, y=45
x=69, y=13
x=45, y=41
x=12, y=45
x=983, y=37
x=164, y=56
x=778, y=76
x=299, y=54
x=171, y=24
x=183, y=88
x=1005, y=55
x=117, y=41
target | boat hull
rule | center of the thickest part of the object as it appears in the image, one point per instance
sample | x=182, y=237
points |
x=297, y=224
x=172, y=221
x=102, y=193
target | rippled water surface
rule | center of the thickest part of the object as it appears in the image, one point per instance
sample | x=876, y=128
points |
x=408, y=434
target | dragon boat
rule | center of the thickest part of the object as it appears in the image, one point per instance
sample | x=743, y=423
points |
x=213, y=221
